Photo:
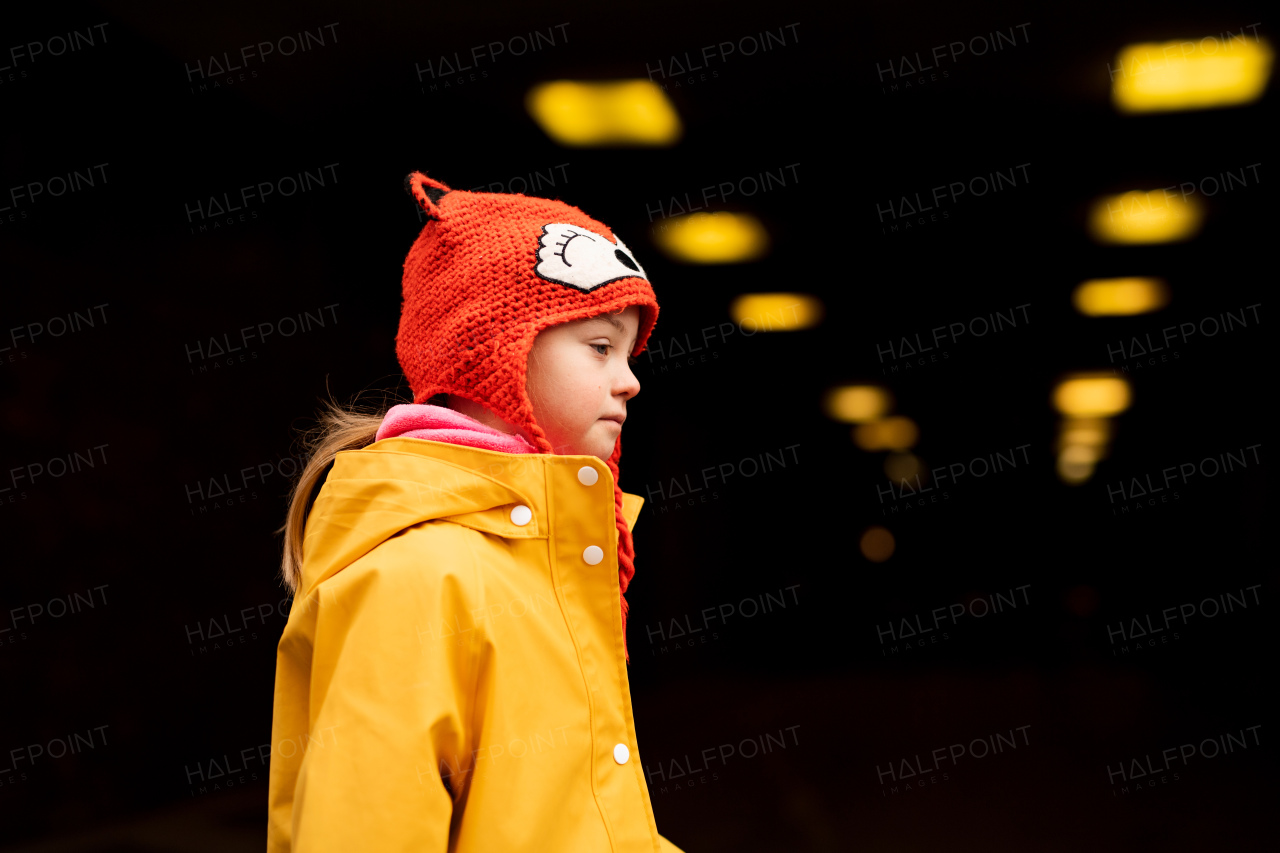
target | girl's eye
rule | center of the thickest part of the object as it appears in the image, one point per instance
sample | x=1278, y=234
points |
x=604, y=347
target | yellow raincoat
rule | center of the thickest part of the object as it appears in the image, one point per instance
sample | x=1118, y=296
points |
x=452, y=675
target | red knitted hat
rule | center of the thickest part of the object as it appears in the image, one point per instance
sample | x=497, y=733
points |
x=486, y=274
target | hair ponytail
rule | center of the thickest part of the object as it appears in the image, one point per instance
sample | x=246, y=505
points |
x=338, y=428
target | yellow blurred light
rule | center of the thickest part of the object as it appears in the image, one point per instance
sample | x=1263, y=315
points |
x=1074, y=473
x=1076, y=463
x=1190, y=75
x=1134, y=217
x=895, y=433
x=1115, y=297
x=876, y=544
x=902, y=466
x=627, y=112
x=858, y=403
x=713, y=238
x=776, y=312
x=1088, y=432
x=1092, y=395
x=1079, y=454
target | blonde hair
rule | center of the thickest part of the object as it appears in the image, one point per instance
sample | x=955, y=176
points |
x=338, y=428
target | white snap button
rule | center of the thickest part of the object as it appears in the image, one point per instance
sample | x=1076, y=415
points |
x=621, y=753
x=593, y=555
x=587, y=475
x=521, y=515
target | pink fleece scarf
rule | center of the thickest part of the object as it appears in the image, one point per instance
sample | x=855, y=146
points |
x=438, y=423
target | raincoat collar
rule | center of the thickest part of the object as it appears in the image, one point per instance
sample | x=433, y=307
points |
x=373, y=493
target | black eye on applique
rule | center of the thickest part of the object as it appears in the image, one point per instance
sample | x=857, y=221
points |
x=625, y=260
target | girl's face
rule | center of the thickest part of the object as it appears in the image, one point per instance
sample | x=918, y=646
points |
x=579, y=381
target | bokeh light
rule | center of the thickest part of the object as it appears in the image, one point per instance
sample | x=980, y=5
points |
x=1192, y=74
x=621, y=112
x=776, y=312
x=877, y=544
x=1092, y=395
x=1137, y=217
x=1090, y=432
x=1076, y=463
x=858, y=403
x=712, y=238
x=903, y=466
x=895, y=433
x=1117, y=297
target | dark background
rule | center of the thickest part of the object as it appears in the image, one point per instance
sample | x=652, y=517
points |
x=128, y=534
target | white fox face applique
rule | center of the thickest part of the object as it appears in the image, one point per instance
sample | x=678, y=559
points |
x=577, y=257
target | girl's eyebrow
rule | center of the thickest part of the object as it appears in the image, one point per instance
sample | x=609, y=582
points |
x=617, y=324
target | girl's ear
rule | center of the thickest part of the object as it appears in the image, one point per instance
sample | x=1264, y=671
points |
x=427, y=192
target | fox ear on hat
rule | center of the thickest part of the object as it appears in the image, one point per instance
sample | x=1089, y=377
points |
x=427, y=192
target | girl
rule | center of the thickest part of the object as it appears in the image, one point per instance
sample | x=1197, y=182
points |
x=453, y=673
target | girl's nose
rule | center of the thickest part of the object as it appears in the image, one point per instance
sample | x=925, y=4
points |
x=627, y=384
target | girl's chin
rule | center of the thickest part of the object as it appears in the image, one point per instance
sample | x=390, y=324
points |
x=599, y=440
x=603, y=451
x=603, y=441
